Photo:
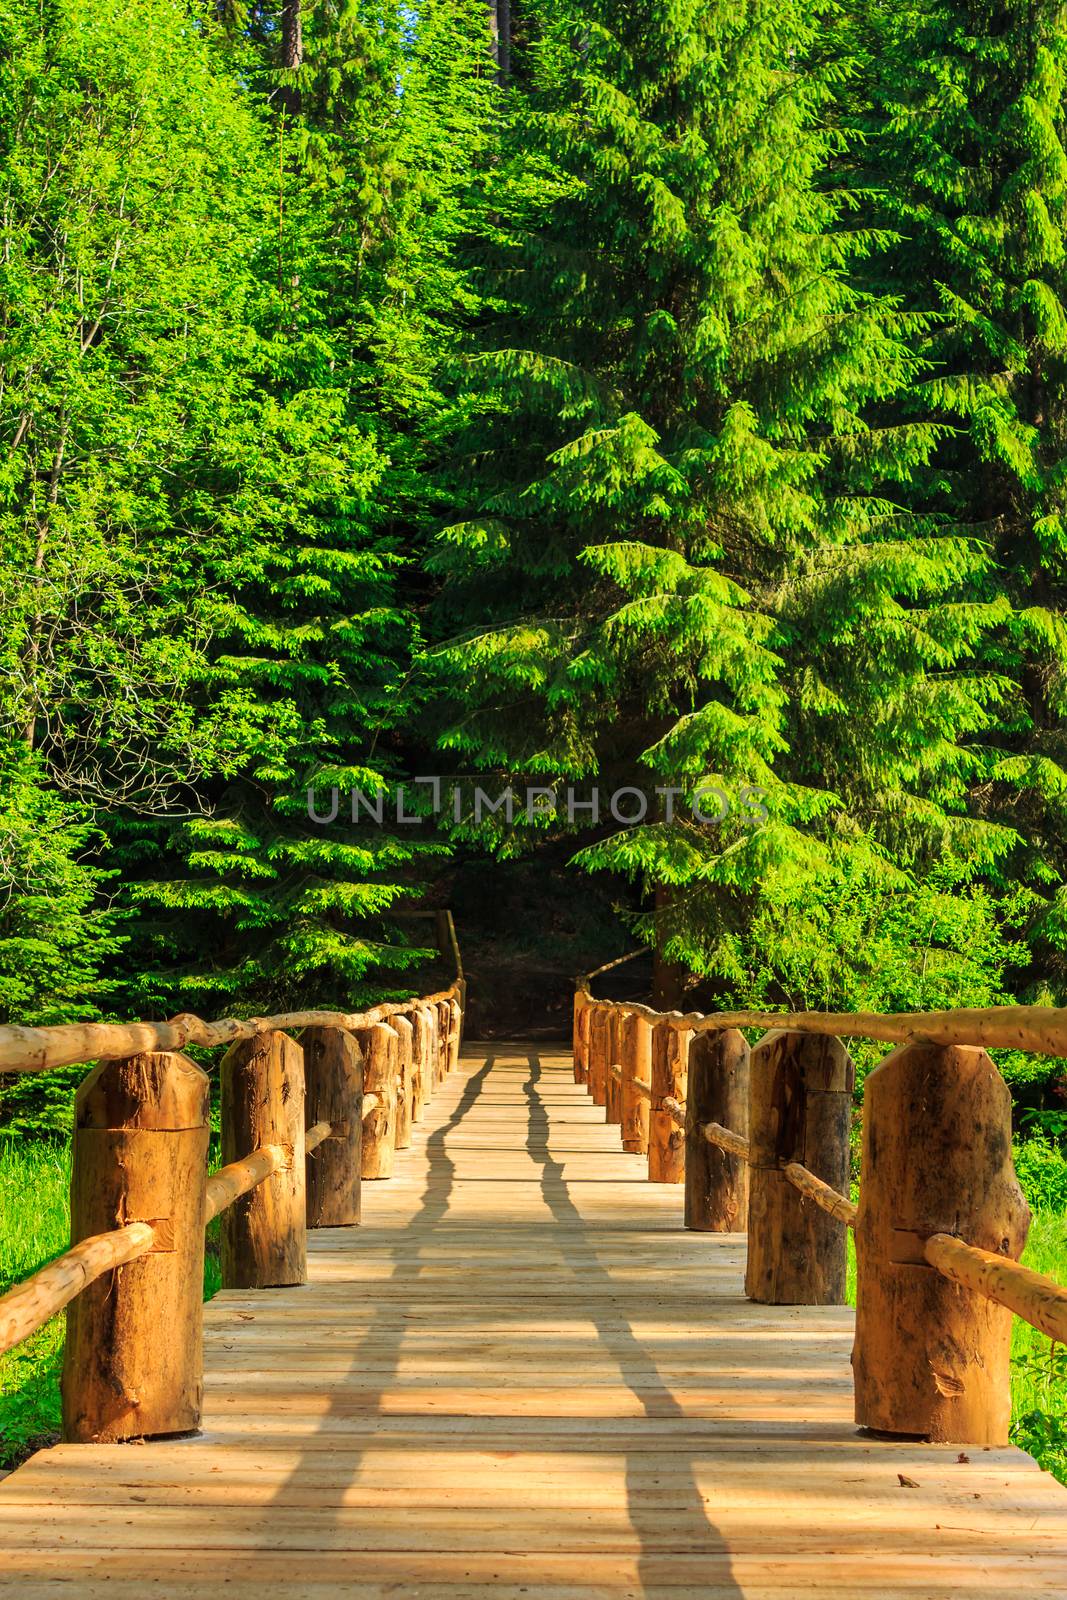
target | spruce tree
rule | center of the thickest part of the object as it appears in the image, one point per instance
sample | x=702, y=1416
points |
x=358, y=303
x=962, y=108
x=219, y=336
x=685, y=489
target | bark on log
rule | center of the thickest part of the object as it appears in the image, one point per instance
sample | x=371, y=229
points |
x=830, y=1200
x=800, y=1110
x=732, y=1143
x=133, y=1363
x=637, y=1065
x=599, y=1051
x=32, y=1303
x=230, y=1182
x=612, y=1087
x=670, y=1069
x=455, y=1031
x=264, y=1232
x=932, y=1358
x=716, y=1182
x=581, y=1035
x=443, y=1015
x=404, y=1063
x=333, y=1075
x=1037, y=1299
x=380, y=1046
x=422, y=1048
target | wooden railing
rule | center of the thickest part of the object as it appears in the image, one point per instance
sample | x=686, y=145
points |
x=760, y=1138
x=304, y=1123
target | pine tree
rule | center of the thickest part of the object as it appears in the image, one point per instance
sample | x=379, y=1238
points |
x=685, y=523
x=360, y=299
x=59, y=932
x=218, y=339
x=962, y=106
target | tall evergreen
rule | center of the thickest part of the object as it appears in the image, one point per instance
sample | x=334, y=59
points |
x=962, y=107
x=356, y=305
x=219, y=330
x=686, y=561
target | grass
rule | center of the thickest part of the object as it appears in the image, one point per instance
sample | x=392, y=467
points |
x=34, y=1227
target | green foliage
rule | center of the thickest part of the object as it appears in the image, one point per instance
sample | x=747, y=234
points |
x=963, y=161
x=866, y=940
x=1041, y=1166
x=58, y=936
x=1039, y=1368
x=687, y=557
x=219, y=343
x=34, y=1227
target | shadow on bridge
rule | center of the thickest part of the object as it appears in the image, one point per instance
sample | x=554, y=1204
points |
x=657, y=1528
x=685, y=1522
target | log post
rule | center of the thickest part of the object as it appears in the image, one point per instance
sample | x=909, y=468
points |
x=264, y=1232
x=133, y=1363
x=716, y=1183
x=637, y=1063
x=599, y=1051
x=333, y=1074
x=380, y=1046
x=612, y=1085
x=800, y=1109
x=930, y=1357
x=670, y=1069
x=443, y=1014
x=421, y=1060
x=405, y=1052
x=581, y=1035
x=455, y=1033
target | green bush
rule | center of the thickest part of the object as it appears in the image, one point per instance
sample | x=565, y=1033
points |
x=1041, y=1166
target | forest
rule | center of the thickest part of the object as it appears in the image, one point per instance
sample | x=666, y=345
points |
x=653, y=411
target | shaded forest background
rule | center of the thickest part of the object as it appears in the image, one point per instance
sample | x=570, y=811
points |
x=664, y=395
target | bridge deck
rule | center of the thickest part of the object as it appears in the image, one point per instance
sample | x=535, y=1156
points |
x=521, y=1377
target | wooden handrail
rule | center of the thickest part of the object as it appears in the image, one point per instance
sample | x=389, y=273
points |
x=43, y=1049
x=144, y=1085
x=715, y=1133
x=631, y=955
x=1041, y=1030
x=240, y=1177
x=32, y=1303
x=674, y=1109
x=834, y=1204
x=1037, y=1299
x=642, y=1088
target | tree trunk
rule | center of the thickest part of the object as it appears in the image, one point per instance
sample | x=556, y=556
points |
x=668, y=977
x=500, y=35
x=292, y=52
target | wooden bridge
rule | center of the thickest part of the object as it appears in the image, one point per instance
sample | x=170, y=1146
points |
x=519, y=1374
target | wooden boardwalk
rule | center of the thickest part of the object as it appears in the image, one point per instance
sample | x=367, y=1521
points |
x=521, y=1377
